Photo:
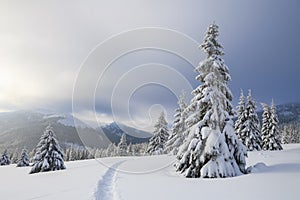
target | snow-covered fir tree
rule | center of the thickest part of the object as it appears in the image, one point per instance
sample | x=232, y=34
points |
x=139, y=149
x=49, y=156
x=122, y=146
x=72, y=154
x=31, y=155
x=212, y=148
x=265, y=125
x=241, y=118
x=270, y=130
x=247, y=124
x=157, y=142
x=15, y=156
x=99, y=153
x=24, y=159
x=5, y=160
x=111, y=150
x=67, y=154
x=178, y=129
x=84, y=154
x=129, y=150
x=92, y=154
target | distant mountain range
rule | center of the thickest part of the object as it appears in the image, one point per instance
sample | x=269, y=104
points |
x=115, y=130
x=21, y=129
x=24, y=128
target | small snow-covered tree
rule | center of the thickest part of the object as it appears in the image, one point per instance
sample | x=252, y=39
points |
x=72, y=154
x=142, y=148
x=99, y=153
x=138, y=149
x=122, y=146
x=24, y=159
x=92, y=153
x=15, y=156
x=84, y=154
x=5, y=160
x=31, y=155
x=67, y=154
x=157, y=142
x=177, y=132
x=241, y=118
x=130, y=150
x=212, y=148
x=270, y=130
x=265, y=125
x=111, y=150
x=248, y=126
x=49, y=156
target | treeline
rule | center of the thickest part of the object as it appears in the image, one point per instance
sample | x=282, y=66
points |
x=290, y=133
x=82, y=153
x=75, y=152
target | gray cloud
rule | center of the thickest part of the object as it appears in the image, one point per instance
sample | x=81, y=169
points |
x=43, y=44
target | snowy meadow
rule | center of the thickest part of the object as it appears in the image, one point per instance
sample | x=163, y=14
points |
x=276, y=175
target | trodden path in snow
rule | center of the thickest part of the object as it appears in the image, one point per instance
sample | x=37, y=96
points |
x=106, y=189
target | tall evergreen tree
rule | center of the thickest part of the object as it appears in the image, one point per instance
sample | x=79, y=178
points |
x=176, y=139
x=248, y=126
x=5, y=160
x=122, y=146
x=157, y=142
x=49, y=156
x=24, y=159
x=212, y=148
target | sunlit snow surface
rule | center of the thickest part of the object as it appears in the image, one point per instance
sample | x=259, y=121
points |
x=276, y=175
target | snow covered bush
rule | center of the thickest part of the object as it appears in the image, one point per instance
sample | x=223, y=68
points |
x=49, y=156
x=5, y=160
x=157, y=142
x=270, y=131
x=178, y=129
x=212, y=148
x=247, y=124
x=24, y=160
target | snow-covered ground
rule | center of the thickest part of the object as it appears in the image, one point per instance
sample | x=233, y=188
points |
x=154, y=177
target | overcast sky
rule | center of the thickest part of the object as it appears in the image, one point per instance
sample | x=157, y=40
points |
x=46, y=46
